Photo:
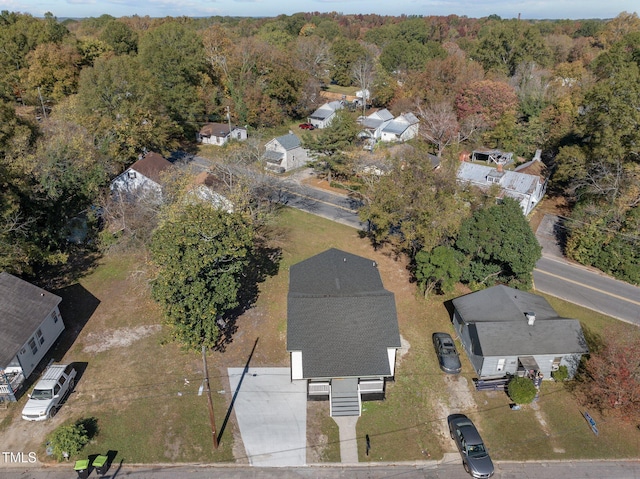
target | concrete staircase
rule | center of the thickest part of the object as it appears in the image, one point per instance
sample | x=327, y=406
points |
x=345, y=398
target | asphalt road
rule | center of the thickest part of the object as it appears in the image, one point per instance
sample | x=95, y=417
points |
x=508, y=470
x=331, y=206
x=587, y=288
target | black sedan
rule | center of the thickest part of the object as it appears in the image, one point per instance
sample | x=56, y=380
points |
x=447, y=354
x=475, y=458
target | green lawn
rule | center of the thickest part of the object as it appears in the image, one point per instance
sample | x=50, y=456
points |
x=148, y=412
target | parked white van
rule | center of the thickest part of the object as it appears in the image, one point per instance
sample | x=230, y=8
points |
x=51, y=390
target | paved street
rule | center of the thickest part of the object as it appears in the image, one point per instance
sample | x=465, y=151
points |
x=427, y=470
x=586, y=287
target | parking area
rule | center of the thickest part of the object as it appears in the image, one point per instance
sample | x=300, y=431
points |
x=272, y=415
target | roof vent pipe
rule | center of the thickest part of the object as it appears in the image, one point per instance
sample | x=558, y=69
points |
x=531, y=318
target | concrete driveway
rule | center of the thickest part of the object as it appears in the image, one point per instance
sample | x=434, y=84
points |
x=272, y=415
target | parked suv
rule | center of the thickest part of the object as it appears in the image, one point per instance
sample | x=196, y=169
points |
x=46, y=398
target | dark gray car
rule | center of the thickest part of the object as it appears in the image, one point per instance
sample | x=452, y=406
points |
x=447, y=354
x=475, y=458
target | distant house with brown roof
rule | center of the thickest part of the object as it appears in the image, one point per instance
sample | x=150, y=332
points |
x=143, y=178
x=220, y=133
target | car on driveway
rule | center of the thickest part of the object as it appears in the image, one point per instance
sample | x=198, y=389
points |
x=447, y=354
x=50, y=392
x=306, y=126
x=475, y=458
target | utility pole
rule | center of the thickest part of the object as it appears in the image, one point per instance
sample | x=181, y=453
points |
x=208, y=390
x=229, y=119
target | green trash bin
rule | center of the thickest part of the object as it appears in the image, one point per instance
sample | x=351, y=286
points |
x=101, y=464
x=82, y=468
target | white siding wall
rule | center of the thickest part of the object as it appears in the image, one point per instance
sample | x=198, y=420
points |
x=133, y=182
x=296, y=365
x=490, y=366
x=295, y=158
x=391, y=352
x=50, y=329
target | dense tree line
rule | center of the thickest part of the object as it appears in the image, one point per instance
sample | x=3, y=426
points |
x=82, y=99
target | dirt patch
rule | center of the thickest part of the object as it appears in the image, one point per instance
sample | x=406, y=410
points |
x=317, y=442
x=460, y=400
x=98, y=342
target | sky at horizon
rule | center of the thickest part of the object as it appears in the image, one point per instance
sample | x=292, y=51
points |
x=528, y=9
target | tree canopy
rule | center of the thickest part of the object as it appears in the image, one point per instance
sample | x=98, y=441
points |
x=499, y=245
x=202, y=254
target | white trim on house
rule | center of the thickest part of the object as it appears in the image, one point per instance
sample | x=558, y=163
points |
x=296, y=365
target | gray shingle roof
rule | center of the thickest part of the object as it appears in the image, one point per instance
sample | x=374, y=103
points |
x=273, y=156
x=496, y=318
x=23, y=307
x=326, y=110
x=512, y=181
x=517, y=338
x=340, y=316
x=501, y=303
x=289, y=142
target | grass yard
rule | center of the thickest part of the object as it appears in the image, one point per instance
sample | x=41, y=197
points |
x=142, y=388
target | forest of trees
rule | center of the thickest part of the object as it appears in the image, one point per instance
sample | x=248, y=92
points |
x=80, y=100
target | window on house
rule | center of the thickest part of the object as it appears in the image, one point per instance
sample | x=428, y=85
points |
x=55, y=316
x=132, y=174
x=556, y=364
x=32, y=345
x=40, y=336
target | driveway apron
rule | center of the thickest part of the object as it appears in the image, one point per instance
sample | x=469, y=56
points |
x=272, y=415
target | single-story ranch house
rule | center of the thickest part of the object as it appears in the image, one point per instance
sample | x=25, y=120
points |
x=342, y=329
x=220, y=133
x=142, y=179
x=30, y=322
x=506, y=331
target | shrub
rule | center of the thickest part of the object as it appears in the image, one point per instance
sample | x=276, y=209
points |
x=67, y=441
x=562, y=374
x=521, y=390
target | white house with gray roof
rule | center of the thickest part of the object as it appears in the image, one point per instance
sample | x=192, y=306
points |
x=285, y=153
x=323, y=116
x=373, y=123
x=524, y=188
x=401, y=128
x=30, y=322
x=506, y=331
x=342, y=329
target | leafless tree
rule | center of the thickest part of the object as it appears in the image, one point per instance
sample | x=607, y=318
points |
x=363, y=72
x=439, y=125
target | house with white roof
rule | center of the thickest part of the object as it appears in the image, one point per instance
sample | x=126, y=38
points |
x=527, y=189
